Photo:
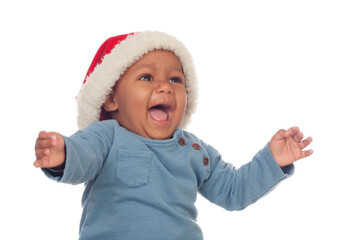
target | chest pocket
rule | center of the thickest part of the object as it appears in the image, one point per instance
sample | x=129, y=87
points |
x=133, y=168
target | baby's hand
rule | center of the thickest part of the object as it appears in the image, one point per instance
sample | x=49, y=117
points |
x=286, y=146
x=49, y=150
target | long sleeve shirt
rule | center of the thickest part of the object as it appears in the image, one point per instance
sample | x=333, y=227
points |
x=139, y=188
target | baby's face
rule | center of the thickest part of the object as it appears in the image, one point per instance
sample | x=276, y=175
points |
x=150, y=98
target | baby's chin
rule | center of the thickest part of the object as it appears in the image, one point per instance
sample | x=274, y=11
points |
x=159, y=134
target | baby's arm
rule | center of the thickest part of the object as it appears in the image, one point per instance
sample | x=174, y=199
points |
x=287, y=146
x=78, y=158
x=49, y=150
x=235, y=189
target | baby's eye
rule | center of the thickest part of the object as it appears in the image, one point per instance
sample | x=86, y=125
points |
x=175, y=80
x=146, y=78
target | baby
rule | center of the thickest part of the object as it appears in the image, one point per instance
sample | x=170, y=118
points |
x=141, y=170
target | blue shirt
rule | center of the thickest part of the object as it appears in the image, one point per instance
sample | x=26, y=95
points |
x=139, y=188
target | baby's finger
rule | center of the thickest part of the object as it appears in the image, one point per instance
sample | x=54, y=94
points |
x=306, y=142
x=306, y=153
x=298, y=136
x=41, y=163
x=42, y=153
x=291, y=131
x=38, y=163
x=44, y=135
x=45, y=143
x=42, y=157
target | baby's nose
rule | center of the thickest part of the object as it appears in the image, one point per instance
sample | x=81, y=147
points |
x=164, y=87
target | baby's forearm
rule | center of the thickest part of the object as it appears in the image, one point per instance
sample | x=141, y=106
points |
x=235, y=189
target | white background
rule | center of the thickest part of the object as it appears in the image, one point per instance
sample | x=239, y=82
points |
x=262, y=66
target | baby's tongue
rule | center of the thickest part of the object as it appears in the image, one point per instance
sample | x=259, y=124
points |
x=158, y=114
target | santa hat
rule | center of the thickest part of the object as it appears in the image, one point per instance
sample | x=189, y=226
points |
x=112, y=59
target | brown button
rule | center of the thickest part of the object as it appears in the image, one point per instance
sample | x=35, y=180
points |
x=182, y=142
x=205, y=161
x=196, y=146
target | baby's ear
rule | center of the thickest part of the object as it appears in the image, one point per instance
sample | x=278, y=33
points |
x=110, y=105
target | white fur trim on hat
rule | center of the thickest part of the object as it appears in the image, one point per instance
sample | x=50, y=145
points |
x=100, y=82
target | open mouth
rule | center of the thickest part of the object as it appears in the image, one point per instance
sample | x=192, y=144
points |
x=160, y=112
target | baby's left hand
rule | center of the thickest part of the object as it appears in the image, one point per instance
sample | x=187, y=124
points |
x=287, y=146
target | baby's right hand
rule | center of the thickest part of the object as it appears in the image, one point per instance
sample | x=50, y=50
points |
x=49, y=150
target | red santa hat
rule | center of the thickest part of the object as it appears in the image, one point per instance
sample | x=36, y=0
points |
x=112, y=59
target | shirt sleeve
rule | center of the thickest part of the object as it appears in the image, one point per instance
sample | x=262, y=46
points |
x=86, y=151
x=235, y=189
